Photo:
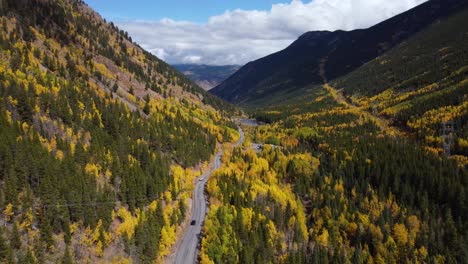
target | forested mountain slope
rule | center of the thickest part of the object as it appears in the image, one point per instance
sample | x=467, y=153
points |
x=321, y=55
x=362, y=157
x=419, y=84
x=370, y=193
x=97, y=139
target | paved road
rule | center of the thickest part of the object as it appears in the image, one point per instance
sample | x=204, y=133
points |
x=187, y=251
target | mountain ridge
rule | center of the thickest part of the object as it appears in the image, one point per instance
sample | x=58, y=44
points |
x=100, y=140
x=316, y=56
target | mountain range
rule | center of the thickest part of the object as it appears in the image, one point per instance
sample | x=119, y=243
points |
x=320, y=56
x=206, y=76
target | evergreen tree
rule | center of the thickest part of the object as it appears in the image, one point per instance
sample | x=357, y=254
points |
x=27, y=257
x=67, y=258
x=4, y=249
x=15, y=241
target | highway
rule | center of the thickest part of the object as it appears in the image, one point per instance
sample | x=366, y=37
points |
x=186, y=253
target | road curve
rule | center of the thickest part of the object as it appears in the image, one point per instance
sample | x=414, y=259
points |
x=186, y=253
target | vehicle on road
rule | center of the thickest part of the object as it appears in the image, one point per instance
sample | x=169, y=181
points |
x=186, y=253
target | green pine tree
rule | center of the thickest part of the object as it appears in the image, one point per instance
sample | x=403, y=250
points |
x=15, y=241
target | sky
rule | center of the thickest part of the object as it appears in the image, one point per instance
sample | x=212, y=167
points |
x=222, y=32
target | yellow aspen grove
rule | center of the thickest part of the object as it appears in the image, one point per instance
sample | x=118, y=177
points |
x=8, y=212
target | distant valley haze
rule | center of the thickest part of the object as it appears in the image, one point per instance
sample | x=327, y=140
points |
x=207, y=76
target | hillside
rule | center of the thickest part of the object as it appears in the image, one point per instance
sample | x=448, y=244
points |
x=364, y=154
x=354, y=170
x=321, y=56
x=414, y=87
x=419, y=84
x=369, y=193
x=100, y=141
x=207, y=76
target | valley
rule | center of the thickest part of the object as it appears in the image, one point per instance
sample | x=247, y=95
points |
x=345, y=147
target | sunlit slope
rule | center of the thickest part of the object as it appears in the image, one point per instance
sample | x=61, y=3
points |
x=99, y=140
x=420, y=84
x=376, y=194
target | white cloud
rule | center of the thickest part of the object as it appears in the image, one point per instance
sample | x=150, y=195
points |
x=239, y=36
